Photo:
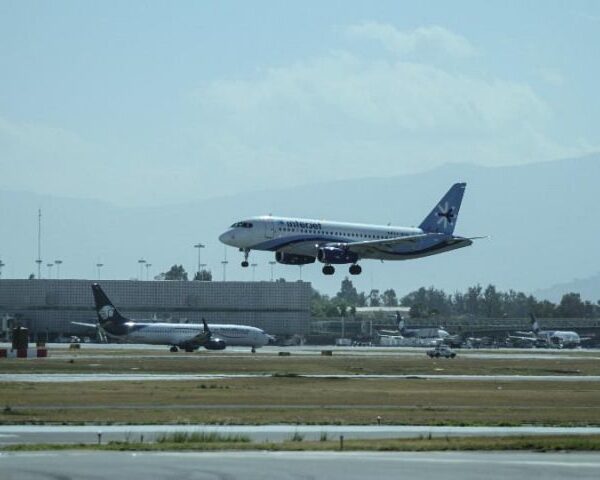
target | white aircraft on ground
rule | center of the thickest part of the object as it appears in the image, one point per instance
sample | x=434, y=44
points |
x=549, y=338
x=298, y=241
x=412, y=337
x=188, y=336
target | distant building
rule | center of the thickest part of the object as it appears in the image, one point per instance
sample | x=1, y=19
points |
x=49, y=306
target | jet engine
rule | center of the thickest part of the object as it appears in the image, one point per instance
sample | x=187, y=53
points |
x=293, y=259
x=336, y=255
x=215, y=344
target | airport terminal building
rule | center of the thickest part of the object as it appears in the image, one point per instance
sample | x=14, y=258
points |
x=49, y=306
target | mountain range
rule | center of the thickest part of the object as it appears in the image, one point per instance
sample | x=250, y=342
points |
x=539, y=219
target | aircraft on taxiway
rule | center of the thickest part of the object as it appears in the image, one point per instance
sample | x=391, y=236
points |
x=187, y=336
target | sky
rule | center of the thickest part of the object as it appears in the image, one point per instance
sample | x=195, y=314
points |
x=151, y=103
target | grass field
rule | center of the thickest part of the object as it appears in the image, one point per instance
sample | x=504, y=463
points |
x=305, y=401
x=283, y=397
x=530, y=443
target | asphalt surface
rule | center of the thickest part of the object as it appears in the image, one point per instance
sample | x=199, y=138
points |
x=22, y=434
x=299, y=465
x=99, y=350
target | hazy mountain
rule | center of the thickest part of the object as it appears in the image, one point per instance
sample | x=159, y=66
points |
x=589, y=288
x=539, y=217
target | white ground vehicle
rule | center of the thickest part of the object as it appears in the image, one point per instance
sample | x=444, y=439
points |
x=441, y=350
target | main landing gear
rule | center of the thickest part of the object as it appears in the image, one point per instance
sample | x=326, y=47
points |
x=173, y=349
x=355, y=269
x=246, y=253
x=328, y=270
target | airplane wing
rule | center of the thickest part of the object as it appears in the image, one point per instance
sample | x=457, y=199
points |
x=388, y=244
x=89, y=325
x=515, y=337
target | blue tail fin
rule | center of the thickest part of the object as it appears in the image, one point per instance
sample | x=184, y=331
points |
x=442, y=218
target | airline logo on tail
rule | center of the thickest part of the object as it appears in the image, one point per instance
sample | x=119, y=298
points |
x=446, y=214
x=106, y=312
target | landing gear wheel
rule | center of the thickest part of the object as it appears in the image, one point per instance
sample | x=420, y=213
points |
x=173, y=349
x=246, y=253
x=355, y=269
x=253, y=350
x=189, y=349
x=328, y=270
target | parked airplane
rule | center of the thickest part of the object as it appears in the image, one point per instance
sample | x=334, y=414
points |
x=187, y=336
x=549, y=338
x=298, y=241
x=412, y=337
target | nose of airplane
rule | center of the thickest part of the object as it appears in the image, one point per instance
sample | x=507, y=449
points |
x=226, y=237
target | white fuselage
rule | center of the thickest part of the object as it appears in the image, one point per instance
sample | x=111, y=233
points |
x=304, y=237
x=559, y=338
x=180, y=334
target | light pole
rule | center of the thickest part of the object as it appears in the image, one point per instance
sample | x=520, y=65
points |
x=2, y=264
x=141, y=261
x=224, y=263
x=58, y=264
x=148, y=265
x=49, y=265
x=199, y=246
x=253, y=265
x=272, y=263
x=99, y=266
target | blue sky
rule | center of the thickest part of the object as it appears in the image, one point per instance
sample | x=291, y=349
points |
x=162, y=102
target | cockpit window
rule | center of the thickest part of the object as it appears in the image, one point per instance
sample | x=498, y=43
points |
x=242, y=225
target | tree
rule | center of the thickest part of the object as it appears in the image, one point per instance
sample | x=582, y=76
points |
x=571, y=306
x=347, y=292
x=492, y=304
x=203, y=276
x=177, y=272
x=389, y=298
x=374, y=300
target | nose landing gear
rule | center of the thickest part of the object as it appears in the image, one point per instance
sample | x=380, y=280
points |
x=246, y=253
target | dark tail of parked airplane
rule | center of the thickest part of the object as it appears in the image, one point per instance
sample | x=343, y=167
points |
x=108, y=315
x=535, y=326
x=442, y=219
x=400, y=323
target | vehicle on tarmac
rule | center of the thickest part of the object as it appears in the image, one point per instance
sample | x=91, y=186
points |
x=441, y=350
x=187, y=336
x=300, y=241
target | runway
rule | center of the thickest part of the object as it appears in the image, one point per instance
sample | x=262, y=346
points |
x=296, y=465
x=21, y=434
x=159, y=377
x=129, y=350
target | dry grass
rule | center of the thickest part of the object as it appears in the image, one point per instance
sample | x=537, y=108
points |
x=305, y=401
x=529, y=443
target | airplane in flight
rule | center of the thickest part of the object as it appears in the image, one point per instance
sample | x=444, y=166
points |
x=187, y=336
x=549, y=338
x=298, y=241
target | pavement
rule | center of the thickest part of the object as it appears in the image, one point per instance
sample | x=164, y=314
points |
x=299, y=465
